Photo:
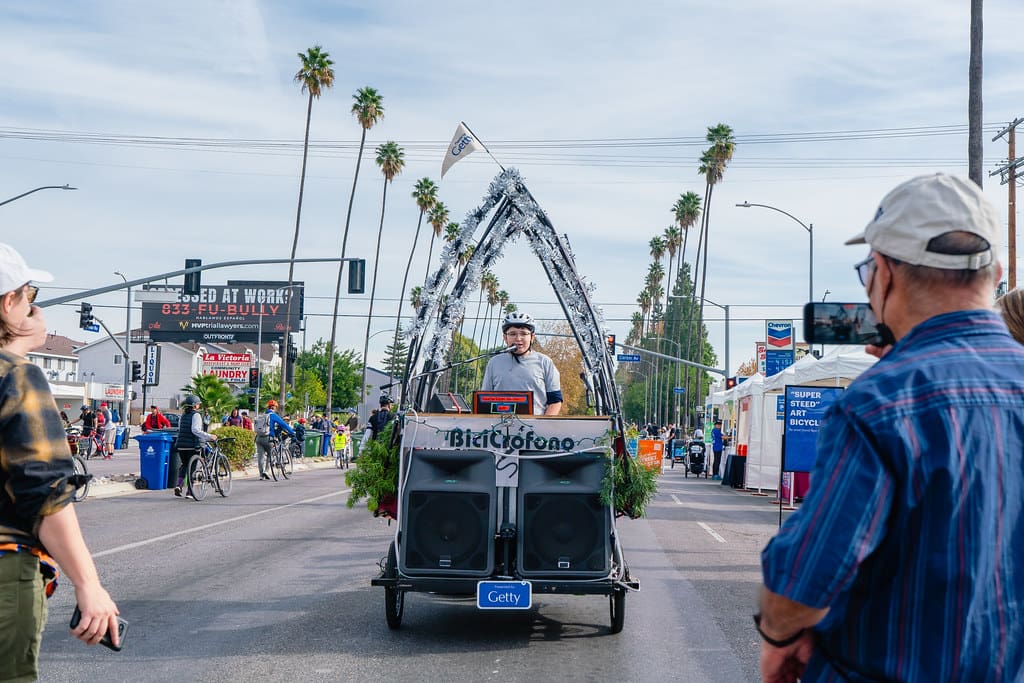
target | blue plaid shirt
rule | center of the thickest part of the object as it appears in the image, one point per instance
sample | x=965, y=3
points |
x=913, y=530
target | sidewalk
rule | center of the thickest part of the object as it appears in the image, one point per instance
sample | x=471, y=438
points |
x=116, y=477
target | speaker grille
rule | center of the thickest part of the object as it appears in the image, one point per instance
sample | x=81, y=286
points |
x=564, y=535
x=450, y=531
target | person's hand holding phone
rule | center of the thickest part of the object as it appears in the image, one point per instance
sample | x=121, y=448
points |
x=98, y=616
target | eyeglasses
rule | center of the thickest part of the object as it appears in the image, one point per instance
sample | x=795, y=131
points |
x=518, y=335
x=864, y=269
x=31, y=292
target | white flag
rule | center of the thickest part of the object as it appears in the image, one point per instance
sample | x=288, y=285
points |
x=463, y=144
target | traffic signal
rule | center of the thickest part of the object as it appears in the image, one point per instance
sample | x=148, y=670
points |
x=357, y=276
x=85, y=316
x=611, y=344
x=730, y=382
x=192, y=279
x=254, y=378
x=136, y=371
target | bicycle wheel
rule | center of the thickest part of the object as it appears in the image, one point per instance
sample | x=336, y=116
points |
x=198, y=478
x=80, y=468
x=285, y=462
x=272, y=460
x=222, y=473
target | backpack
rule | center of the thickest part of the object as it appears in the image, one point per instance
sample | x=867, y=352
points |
x=262, y=424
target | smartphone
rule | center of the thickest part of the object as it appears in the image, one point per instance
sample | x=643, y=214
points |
x=831, y=322
x=122, y=630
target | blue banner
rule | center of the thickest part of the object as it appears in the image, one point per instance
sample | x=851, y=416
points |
x=805, y=408
x=776, y=361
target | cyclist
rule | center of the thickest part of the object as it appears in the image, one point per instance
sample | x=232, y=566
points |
x=268, y=426
x=523, y=369
x=190, y=436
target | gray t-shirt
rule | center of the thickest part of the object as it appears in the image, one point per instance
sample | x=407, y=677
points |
x=531, y=372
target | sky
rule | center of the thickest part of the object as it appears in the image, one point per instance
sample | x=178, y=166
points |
x=832, y=105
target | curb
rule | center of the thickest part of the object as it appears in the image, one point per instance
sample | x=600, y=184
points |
x=124, y=484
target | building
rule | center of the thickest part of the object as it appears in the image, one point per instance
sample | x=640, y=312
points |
x=58, y=361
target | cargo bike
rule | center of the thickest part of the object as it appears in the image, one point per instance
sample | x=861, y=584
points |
x=493, y=502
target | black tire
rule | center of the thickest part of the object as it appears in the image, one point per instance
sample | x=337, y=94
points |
x=82, y=492
x=617, y=604
x=198, y=480
x=284, y=463
x=222, y=473
x=394, y=599
x=272, y=458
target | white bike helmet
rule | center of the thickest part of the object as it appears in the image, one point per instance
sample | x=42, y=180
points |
x=517, y=319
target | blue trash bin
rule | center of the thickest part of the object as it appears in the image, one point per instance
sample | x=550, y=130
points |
x=119, y=438
x=154, y=459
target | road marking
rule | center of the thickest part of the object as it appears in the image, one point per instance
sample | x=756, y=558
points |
x=191, y=530
x=714, y=534
x=678, y=502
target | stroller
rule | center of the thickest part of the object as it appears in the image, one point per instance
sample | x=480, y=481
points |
x=696, y=459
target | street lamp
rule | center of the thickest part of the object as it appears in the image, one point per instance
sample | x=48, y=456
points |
x=126, y=403
x=810, y=234
x=44, y=187
x=679, y=351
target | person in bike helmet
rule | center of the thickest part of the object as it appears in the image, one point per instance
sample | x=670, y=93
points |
x=522, y=368
x=190, y=436
x=380, y=419
x=268, y=426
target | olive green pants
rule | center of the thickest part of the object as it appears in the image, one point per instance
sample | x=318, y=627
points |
x=22, y=616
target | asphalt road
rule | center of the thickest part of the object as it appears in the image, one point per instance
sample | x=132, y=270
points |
x=273, y=583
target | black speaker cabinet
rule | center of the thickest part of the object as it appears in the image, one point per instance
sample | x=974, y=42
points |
x=448, y=514
x=564, y=530
x=448, y=403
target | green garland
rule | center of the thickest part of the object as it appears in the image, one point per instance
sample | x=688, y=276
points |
x=375, y=476
x=628, y=486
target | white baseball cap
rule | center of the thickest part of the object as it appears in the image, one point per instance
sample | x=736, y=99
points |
x=923, y=208
x=14, y=272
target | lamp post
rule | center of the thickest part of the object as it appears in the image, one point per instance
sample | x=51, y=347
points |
x=810, y=234
x=726, y=309
x=126, y=404
x=44, y=187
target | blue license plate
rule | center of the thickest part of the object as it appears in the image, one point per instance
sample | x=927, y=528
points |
x=504, y=595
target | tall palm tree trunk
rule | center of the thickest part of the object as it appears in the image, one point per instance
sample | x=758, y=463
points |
x=373, y=292
x=405, y=280
x=430, y=255
x=703, y=280
x=291, y=262
x=689, y=318
x=337, y=288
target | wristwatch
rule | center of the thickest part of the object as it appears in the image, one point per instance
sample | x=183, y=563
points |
x=785, y=642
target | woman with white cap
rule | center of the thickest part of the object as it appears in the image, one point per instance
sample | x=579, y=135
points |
x=37, y=522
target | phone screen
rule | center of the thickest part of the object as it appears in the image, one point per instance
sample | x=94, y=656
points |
x=831, y=322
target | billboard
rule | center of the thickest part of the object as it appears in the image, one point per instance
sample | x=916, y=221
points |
x=779, y=335
x=230, y=367
x=229, y=313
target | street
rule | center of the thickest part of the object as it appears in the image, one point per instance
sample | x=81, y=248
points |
x=273, y=583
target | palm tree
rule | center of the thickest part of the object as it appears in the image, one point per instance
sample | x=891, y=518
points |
x=644, y=301
x=368, y=109
x=425, y=194
x=416, y=297
x=503, y=299
x=636, y=325
x=657, y=246
x=315, y=75
x=673, y=238
x=391, y=159
x=437, y=217
x=451, y=232
x=492, y=300
x=686, y=211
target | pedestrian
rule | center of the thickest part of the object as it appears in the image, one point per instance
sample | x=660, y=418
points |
x=717, y=446
x=246, y=420
x=109, y=431
x=353, y=423
x=268, y=426
x=1011, y=305
x=380, y=417
x=191, y=437
x=155, y=420
x=905, y=561
x=234, y=419
x=39, y=529
x=523, y=369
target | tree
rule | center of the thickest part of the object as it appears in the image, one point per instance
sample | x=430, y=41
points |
x=368, y=109
x=391, y=160
x=747, y=368
x=309, y=391
x=346, y=367
x=673, y=237
x=566, y=355
x=213, y=393
x=437, y=218
x=315, y=75
x=686, y=211
x=975, y=150
x=395, y=357
x=425, y=194
x=416, y=297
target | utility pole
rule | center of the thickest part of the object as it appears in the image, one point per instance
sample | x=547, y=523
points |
x=1008, y=175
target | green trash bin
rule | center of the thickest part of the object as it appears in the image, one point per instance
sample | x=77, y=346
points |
x=357, y=439
x=311, y=443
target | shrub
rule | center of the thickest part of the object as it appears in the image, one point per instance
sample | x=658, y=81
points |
x=375, y=476
x=633, y=485
x=239, y=451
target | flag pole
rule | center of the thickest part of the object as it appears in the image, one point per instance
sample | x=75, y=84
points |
x=477, y=138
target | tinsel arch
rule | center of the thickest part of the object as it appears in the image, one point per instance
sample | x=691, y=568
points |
x=513, y=211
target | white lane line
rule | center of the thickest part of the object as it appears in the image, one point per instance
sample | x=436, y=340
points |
x=190, y=530
x=678, y=502
x=714, y=534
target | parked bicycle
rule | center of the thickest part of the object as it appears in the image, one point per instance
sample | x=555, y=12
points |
x=84, y=445
x=280, y=461
x=209, y=468
x=81, y=492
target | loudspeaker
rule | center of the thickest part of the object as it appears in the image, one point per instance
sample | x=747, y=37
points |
x=447, y=519
x=448, y=403
x=564, y=529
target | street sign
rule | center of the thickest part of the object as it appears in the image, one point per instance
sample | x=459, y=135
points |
x=679, y=390
x=95, y=327
x=628, y=357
